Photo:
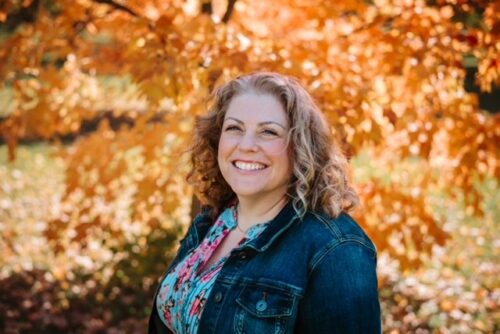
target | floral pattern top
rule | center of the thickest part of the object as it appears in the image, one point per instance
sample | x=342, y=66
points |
x=186, y=286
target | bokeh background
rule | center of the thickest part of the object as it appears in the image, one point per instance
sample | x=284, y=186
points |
x=97, y=102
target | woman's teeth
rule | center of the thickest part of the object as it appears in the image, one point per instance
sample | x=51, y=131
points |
x=249, y=166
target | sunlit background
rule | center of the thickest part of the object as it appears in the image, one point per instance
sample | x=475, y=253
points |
x=97, y=102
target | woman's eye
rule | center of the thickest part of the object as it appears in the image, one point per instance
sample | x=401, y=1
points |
x=270, y=132
x=232, y=128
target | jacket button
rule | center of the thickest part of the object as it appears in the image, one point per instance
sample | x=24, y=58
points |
x=218, y=297
x=261, y=305
x=243, y=255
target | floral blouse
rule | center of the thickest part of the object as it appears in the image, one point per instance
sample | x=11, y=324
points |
x=185, y=288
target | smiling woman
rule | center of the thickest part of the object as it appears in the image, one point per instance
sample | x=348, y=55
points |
x=252, y=152
x=274, y=249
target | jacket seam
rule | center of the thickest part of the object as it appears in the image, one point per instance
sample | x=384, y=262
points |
x=333, y=246
x=332, y=228
x=273, y=284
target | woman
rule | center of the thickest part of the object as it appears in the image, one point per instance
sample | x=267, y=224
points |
x=273, y=250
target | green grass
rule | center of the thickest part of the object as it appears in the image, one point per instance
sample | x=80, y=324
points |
x=27, y=156
x=6, y=101
x=30, y=188
x=112, y=89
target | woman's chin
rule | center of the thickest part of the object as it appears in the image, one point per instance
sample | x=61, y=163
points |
x=247, y=192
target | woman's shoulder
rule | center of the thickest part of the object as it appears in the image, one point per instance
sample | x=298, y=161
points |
x=332, y=231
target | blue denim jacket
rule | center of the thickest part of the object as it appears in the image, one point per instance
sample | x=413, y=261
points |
x=312, y=275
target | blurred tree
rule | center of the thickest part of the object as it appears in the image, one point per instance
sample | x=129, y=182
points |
x=389, y=75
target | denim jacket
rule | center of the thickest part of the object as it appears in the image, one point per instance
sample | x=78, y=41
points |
x=312, y=275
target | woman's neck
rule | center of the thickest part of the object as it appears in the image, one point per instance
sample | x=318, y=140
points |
x=256, y=212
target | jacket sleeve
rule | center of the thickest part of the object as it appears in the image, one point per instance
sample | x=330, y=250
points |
x=342, y=294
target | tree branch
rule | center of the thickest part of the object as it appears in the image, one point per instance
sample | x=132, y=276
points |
x=385, y=22
x=206, y=7
x=229, y=11
x=118, y=6
x=22, y=15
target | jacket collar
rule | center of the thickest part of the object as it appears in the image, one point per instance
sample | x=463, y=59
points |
x=277, y=226
x=202, y=223
x=285, y=218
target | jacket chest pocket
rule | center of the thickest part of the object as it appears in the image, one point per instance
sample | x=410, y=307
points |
x=263, y=310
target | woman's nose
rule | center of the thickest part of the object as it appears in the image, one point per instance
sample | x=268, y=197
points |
x=248, y=142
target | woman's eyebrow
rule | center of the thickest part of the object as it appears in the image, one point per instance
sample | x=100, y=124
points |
x=234, y=119
x=271, y=122
x=261, y=123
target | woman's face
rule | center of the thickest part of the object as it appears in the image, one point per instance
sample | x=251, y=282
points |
x=253, y=155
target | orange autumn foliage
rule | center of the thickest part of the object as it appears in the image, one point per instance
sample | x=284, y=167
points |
x=388, y=74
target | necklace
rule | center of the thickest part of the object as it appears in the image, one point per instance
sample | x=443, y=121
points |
x=239, y=229
x=238, y=223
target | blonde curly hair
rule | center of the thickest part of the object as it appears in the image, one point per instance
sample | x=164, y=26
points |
x=319, y=181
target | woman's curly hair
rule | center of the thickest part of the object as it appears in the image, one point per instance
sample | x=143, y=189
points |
x=319, y=181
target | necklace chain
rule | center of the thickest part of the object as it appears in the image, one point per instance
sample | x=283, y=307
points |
x=239, y=228
x=238, y=223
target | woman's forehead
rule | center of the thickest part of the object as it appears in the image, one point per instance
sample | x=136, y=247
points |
x=256, y=108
